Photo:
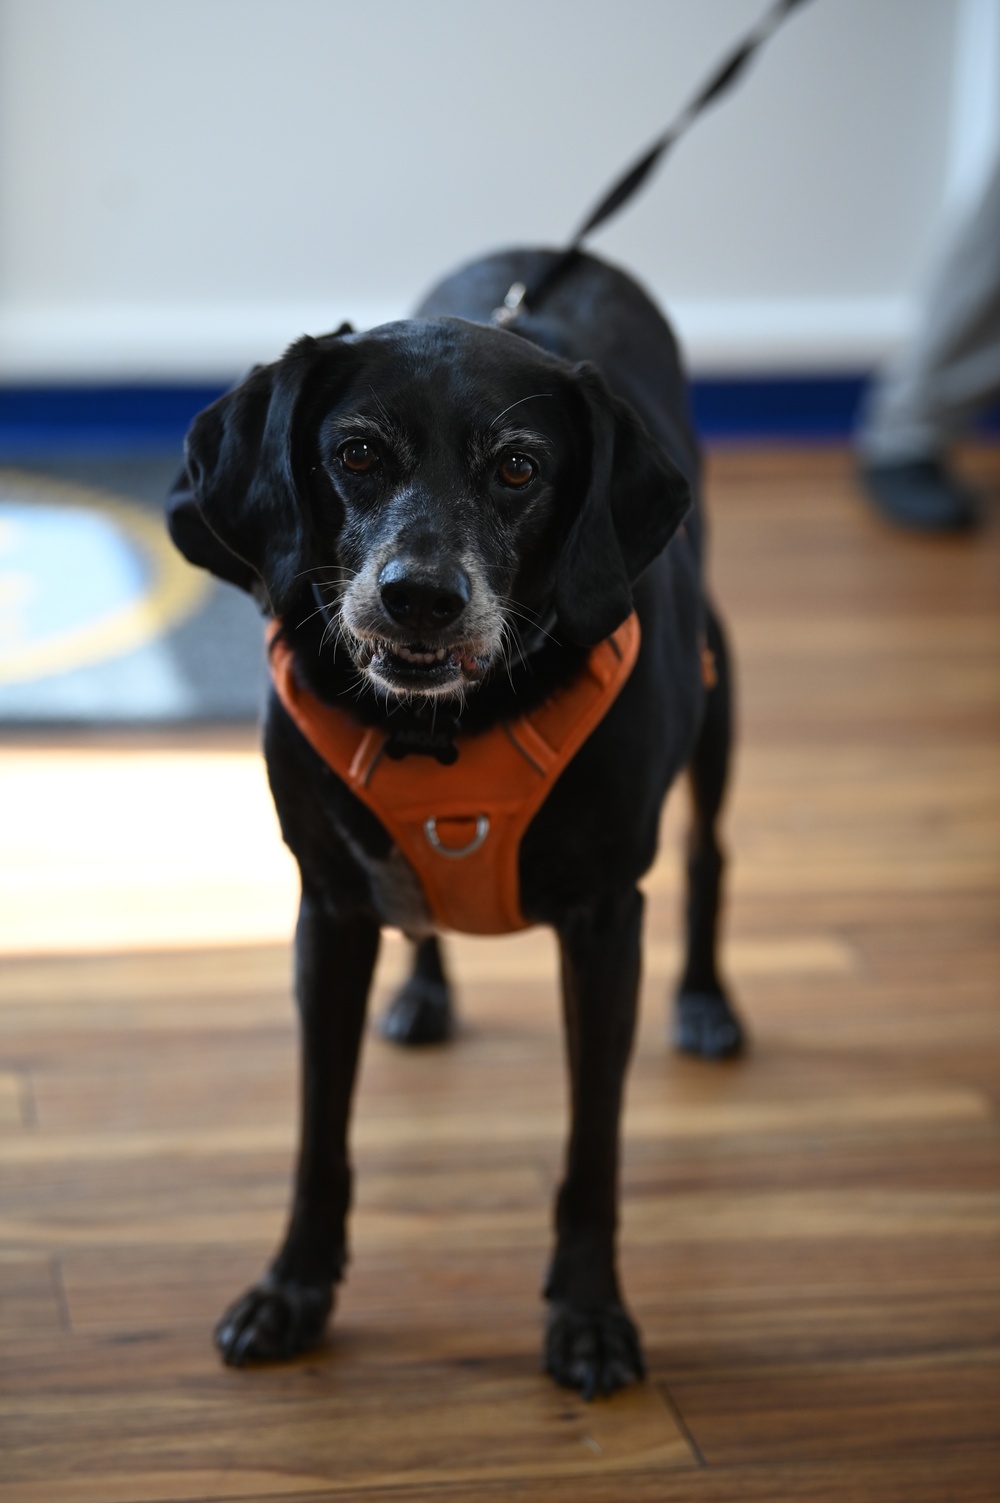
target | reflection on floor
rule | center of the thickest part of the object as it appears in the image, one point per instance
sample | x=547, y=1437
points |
x=810, y=1235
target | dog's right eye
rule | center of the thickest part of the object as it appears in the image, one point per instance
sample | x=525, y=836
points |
x=358, y=457
x=516, y=471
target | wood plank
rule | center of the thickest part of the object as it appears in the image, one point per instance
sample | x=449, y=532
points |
x=965, y=1478
x=868, y=1410
x=32, y=1296
x=660, y=1122
x=15, y=1098
x=166, y=1407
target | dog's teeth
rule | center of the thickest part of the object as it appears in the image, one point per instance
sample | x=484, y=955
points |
x=383, y=652
x=411, y=655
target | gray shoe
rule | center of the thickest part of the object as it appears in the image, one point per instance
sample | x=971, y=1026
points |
x=920, y=493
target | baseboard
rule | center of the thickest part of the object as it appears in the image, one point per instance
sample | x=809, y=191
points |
x=153, y=344
x=134, y=376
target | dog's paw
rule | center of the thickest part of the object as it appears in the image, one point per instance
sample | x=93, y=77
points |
x=596, y=1351
x=272, y=1322
x=705, y=1024
x=419, y=1013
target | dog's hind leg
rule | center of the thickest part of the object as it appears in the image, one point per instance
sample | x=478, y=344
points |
x=591, y=1343
x=704, y=1022
x=286, y=1311
x=421, y=1011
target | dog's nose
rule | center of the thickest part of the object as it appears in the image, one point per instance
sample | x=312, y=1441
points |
x=421, y=601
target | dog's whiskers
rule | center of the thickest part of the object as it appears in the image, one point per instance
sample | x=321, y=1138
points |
x=506, y=640
x=332, y=632
x=338, y=569
x=532, y=398
x=533, y=622
x=321, y=610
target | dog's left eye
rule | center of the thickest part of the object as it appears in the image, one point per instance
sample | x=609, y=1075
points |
x=516, y=470
x=358, y=457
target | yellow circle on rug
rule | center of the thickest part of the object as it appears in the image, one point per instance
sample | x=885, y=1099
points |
x=84, y=576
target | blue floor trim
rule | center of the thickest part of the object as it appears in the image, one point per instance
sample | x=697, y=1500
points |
x=146, y=417
x=99, y=417
x=769, y=407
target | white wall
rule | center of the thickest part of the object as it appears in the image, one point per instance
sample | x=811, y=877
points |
x=185, y=185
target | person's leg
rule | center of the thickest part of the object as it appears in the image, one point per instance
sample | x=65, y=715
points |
x=948, y=372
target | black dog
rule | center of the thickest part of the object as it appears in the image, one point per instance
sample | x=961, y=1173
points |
x=445, y=515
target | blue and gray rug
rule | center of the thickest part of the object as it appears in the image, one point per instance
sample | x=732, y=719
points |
x=101, y=620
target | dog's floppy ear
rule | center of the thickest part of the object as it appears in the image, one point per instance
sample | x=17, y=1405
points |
x=194, y=538
x=635, y=501
x=237, y=510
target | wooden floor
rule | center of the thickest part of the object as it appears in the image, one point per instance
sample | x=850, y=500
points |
x=811, y=1235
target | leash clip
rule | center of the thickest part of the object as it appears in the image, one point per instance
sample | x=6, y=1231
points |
x=456, y=852
x=512, y=304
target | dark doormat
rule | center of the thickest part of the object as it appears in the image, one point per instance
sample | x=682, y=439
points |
x=101, y=620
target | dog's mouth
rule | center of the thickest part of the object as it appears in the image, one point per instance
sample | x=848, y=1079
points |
x=417, y=667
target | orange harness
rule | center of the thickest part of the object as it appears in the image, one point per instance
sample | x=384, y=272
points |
x=460, y=827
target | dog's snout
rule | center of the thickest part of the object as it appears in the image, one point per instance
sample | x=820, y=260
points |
x=423, y=601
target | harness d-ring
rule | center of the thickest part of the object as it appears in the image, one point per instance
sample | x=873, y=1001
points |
x=433, y=839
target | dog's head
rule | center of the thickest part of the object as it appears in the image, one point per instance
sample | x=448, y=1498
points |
x=441, y=487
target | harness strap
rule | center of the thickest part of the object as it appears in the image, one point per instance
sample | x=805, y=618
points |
x=460, y=827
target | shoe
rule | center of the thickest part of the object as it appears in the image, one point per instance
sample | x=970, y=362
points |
x=920, y=493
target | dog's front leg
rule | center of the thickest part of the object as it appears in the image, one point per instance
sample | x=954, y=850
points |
x=287, y=1310
x=591, y=1343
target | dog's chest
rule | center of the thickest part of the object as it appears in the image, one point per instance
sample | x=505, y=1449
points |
x=396, y=892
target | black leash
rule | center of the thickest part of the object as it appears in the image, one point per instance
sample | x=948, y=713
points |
x=522, y=297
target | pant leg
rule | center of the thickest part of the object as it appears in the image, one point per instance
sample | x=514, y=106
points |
x=950, y=369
